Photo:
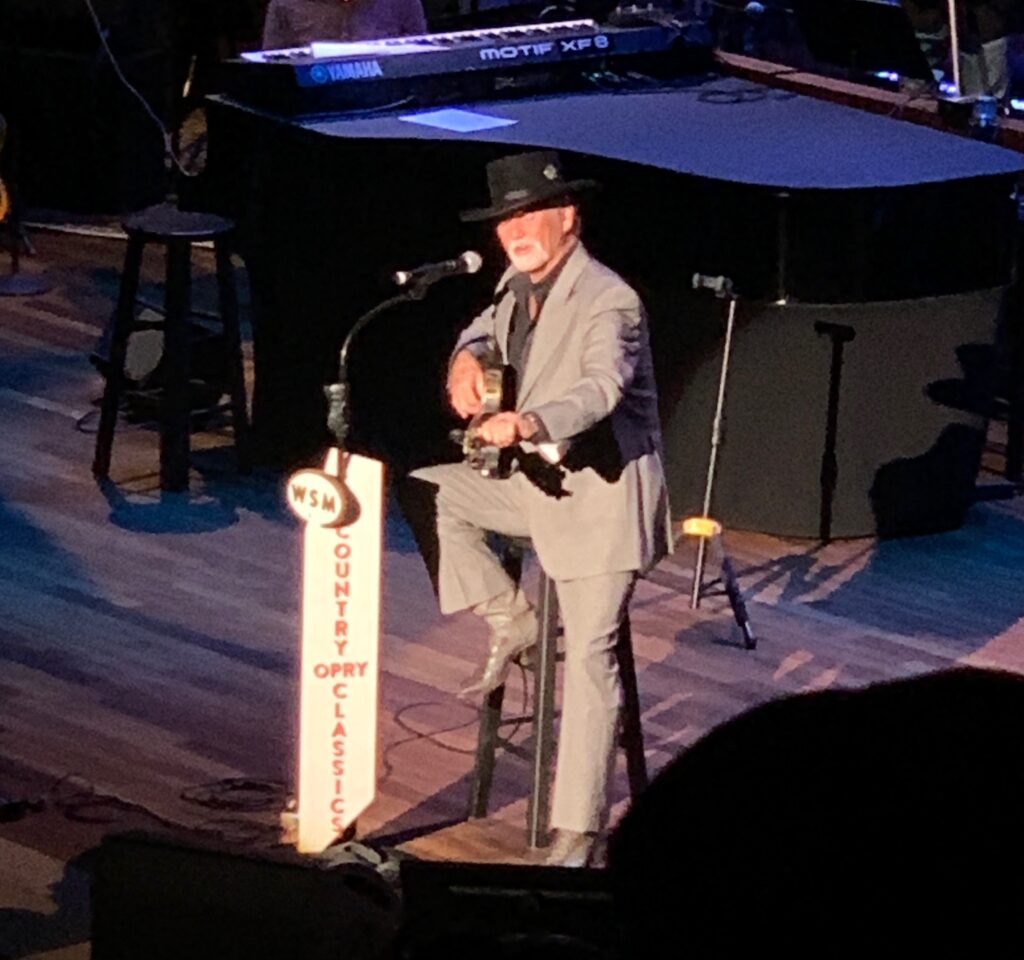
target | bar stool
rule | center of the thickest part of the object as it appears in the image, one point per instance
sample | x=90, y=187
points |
x=540, y=748
x=176, y=230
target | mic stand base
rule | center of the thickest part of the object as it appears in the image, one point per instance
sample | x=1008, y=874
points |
x=708, y=533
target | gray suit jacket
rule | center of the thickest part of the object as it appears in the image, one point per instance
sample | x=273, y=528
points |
x=590, y=378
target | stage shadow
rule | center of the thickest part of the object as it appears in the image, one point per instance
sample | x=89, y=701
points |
x=963, y=585
x=960, y=585
x=219, y=499
x=36, y=566
x=27, y=933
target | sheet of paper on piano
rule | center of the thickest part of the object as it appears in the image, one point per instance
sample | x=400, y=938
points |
x=458, y=121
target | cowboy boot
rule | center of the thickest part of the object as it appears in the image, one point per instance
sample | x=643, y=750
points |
x=514, y=629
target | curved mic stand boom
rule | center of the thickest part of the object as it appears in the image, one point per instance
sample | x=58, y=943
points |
x=337, y=393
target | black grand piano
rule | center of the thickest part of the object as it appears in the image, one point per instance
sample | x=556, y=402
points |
x=824, y=218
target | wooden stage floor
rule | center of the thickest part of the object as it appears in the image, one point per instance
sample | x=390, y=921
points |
x=148, y=642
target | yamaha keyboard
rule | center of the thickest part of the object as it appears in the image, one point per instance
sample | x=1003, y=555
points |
x=430, y=68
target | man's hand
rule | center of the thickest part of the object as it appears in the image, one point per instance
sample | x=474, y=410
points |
x=501, y=430
x=466, y=384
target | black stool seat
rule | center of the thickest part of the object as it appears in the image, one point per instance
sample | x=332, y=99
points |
x=176, y=230
x=541, y=749
x=165, y=222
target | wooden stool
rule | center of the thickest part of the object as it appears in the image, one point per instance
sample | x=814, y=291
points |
x=541, y=747
x=176, y=230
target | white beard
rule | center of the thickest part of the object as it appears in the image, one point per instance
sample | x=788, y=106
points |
x=528, y=256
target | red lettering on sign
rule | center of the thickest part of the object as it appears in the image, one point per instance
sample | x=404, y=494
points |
x=339, y=691
x=341, y=589
x=341, y=628
x=341, y=607
x=337, y=805
x=338, y=712
x=339, y=730
x=342, y=551
x=339, y=748
x=321, y=670
x=338, y=766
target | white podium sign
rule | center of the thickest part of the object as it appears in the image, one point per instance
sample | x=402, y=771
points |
x=339, y=679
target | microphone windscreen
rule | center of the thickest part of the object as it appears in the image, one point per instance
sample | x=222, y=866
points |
x=472, y=261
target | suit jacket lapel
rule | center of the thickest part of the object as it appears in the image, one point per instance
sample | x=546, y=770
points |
x=553, y=326
x=504, y=302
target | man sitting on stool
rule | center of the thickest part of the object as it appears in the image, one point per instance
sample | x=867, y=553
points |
x=297, y=23
x=576, y=337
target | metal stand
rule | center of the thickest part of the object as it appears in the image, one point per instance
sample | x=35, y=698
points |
x=538, y=809
x=704, y=528
x=710, y=531
x=360, y=510
x=954, y=45
x=723, y=290
x=337, y=393
x=840, y=335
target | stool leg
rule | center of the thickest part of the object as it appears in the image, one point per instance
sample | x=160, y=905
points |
x=176, y=400
x=486, y=744
x=632, y=729
x=123, y=319
x=233, y=343
x=538, y=814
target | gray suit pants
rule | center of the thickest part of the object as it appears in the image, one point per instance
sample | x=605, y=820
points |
x=592, y=611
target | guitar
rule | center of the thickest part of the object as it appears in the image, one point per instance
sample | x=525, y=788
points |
x=495, y=462
x=487, y=459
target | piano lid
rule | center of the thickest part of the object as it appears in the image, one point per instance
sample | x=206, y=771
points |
x=723, y=128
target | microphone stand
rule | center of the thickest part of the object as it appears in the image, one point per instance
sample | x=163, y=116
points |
x=335, y=469
x=706, y=529
x=723, y=292
x=338, y=412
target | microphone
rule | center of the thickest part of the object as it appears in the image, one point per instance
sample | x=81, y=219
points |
x=468, y=262
x=722, y=286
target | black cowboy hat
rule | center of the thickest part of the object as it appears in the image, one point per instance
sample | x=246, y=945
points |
x=526, y=180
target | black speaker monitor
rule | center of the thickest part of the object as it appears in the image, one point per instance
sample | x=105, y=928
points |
x=501, y=911
x=157, y=897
